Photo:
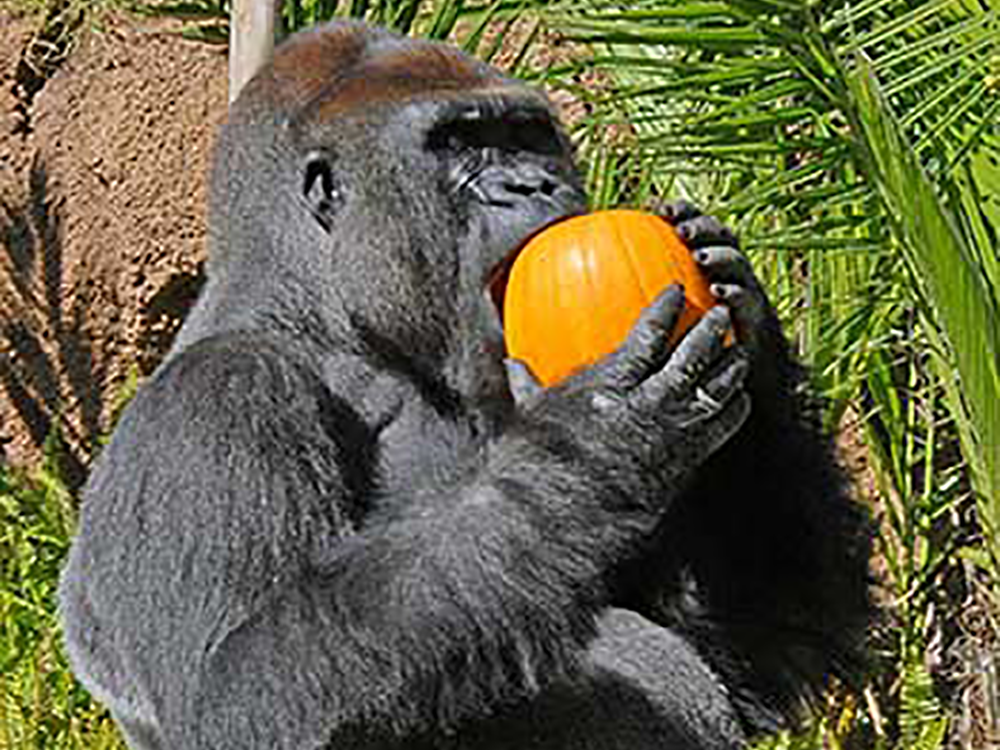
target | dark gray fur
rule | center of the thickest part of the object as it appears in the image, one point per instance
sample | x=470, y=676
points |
x=325, y=522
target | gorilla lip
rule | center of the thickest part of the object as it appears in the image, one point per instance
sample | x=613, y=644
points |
x=496, y=284
x=496, y=281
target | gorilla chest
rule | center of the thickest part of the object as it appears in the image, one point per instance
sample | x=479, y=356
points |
x=413, y=443
x=419, y=447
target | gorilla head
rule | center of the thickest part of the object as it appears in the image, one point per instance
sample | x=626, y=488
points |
x=413, y=170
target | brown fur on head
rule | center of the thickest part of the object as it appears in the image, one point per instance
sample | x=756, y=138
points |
x=333, y=69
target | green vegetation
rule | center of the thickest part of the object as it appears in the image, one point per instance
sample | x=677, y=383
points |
x=855, y=147
x=41, y=705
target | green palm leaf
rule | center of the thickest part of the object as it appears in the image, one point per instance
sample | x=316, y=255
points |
x=953, y=285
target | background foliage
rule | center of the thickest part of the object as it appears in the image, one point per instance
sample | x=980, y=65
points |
x=855, y=147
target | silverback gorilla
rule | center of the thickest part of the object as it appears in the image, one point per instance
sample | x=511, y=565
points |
x=335, y=517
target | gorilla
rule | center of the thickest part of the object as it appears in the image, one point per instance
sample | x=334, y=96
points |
x=336, y=517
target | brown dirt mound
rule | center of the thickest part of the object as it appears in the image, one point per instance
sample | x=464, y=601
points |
x=101, y=222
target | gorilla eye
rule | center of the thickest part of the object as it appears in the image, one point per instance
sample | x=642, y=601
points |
x=321, y=191
x=532, y=132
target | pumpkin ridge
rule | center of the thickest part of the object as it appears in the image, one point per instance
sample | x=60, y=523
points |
x=590, y=255
x=629, y=244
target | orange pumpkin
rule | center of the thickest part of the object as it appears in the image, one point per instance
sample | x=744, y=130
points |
x=578, y=287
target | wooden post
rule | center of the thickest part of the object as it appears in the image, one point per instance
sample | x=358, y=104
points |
x=251, y=40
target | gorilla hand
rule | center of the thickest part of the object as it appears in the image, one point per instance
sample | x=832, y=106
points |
x=665, y=406
x=715, y=249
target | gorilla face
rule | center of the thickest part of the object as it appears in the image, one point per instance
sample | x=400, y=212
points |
x=451, y=188
x=507, y=171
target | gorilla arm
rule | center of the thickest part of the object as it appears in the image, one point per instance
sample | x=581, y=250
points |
x=246, y=605
x=775, y=549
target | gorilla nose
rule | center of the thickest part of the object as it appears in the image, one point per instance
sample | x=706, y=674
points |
x=545, y=186
x=509, y=185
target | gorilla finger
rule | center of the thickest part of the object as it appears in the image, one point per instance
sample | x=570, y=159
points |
x=523, y=384
x=703, y=231
x=724, y=382
x=747, y=307
x=720, y=428
x=674, y=212
x=648, y=344
x=693, y=356
x=725, y=264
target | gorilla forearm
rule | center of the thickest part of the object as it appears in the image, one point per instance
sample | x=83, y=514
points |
x=773, y=543
x=809, y=540
x=404, y=630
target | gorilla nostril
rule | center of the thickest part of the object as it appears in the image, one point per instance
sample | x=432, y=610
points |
x=545, y=187
x=519, y=188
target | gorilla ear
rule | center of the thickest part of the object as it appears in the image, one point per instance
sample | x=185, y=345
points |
x=321, y=190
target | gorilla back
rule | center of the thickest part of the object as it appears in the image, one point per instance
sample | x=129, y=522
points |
x=335, y=517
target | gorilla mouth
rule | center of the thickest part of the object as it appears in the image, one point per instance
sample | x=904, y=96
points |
x=496, y=284
x=499, y=275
